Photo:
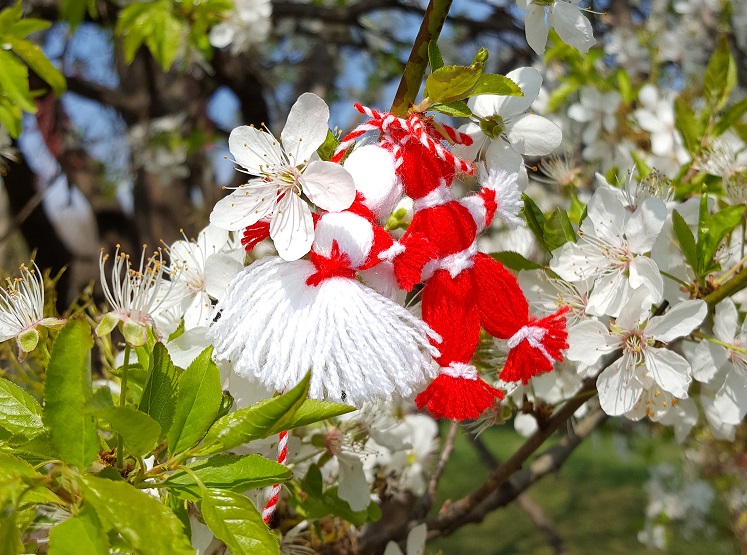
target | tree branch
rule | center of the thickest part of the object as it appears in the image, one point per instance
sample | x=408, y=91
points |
x=425, y=503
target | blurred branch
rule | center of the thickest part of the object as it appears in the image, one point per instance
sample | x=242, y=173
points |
x=128, y=105
x=524, y=501
x=426, y=501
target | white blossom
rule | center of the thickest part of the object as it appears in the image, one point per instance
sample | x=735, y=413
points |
x=565, y=17
x=287, y=170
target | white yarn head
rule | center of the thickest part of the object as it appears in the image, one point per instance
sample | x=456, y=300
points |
x=359, y=345
x=353, y=233
x=372, y=168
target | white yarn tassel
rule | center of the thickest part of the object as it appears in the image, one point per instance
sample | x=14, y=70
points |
x=359, y=345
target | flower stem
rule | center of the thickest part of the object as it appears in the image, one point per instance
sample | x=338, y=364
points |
x=412, y=76
x=122, y=402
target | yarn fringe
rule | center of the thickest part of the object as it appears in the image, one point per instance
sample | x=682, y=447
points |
x=457, y=398
x=359, y=345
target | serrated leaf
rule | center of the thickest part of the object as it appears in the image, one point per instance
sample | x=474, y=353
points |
x=36, y=60
x=145, y=524
x=236, y=522
x=434, y=56
x=450, y=83
x=311, y=411
x=20, y=413
x=558, y=229
x=456, y=109
x=490, y=83
x=15, y=477
x=256, y=421
x=515, y=261
x=159, y=394
x=330, y=144
x=720, y=76
x=14, y=81
x=10, y=535
x=139, y=431
x=687, y=124
x=535, y=218
x=67, y=392
x=730, y=116
x=80, y=535
x=237, y=473
x=686, y=240
x=198, y=400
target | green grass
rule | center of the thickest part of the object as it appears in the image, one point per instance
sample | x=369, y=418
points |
x=596, y=502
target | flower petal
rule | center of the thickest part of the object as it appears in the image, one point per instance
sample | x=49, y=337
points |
x=644, y=225
x=245, y=206
x=725, y=321
x=707, y=360
x=220, y=269
x=292, y=228
x=609, y=295
x=530, y=81
x=254, y=149
x=618, y=389
x=572, y=26
x=645, y=273
x=353, y=486
x=588, y=341
x=731, y=400
x=679, y=321
x=635, y=310
x=328, y=185
x=533, y=135
x=536, y=29
x=306, y=128
x=670, y=370
x=607, y=214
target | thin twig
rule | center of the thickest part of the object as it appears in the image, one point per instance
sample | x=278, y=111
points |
x=425, y=503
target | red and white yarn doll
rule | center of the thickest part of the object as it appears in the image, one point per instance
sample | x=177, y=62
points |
x=279, y=319
x=464, y=289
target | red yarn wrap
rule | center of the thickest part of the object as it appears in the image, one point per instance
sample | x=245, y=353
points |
x=457, y=398
x=525, y=361
x=255, y=234
x=336, y=265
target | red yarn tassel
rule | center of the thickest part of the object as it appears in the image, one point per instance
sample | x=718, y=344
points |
x=536, y=347
x=408, y=266
x=457, y=398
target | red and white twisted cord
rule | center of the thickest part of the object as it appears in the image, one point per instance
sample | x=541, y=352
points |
x=272, y=502
x=397, y=131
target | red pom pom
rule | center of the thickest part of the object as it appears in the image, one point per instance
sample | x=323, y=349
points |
x=254, y=234
x=457, y=398
x=538, y=346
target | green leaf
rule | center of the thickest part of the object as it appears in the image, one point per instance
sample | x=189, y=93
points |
x=67, y=392
x=148, y=526
x=256, y=421
x=559, y=95
x=687, y=124
x=330, y=144
x=237, y=473
x=434, y=56
x=320, y=503
x=24, y=27
x=139, y=431
x=10, y=535
x=198, y=400
x=74, y=11
x=16, y=476
x=311, y=411
x=515, y=261
x=490, y=83
x=625, y=87
x=10, y=116
x=160, y=392
x=20, y=414
x=719, y=225
x=558, y=229
x=535, y=219
x=9, y=17
x=686, y=240
x=730, y=116
x=236, y=522
x=14, y=81
x=153, y=23
x=720, y=76
x=451, y=83
x=79, y=535
x=36, y=60
x=457, y=109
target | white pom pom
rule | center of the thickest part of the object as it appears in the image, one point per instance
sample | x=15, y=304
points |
x=359, y=345
x=372, y=168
